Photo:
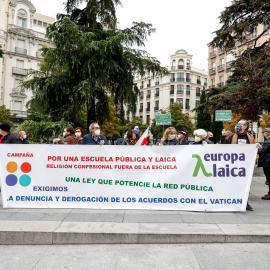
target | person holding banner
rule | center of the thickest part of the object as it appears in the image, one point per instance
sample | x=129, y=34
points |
x=5, y=136
x=241, y=136
x=169, y=137
x=133, y=135
x=182, y=136
x=264, y=159
x=69, y=137
x=94, y=137
x=200, y=137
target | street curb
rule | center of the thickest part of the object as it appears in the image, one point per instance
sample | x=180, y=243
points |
x=75, y=238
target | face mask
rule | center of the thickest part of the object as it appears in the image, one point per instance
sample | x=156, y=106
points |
x=222, y=137
x=24, y=136
x=178, y=136
x=125, y=136
x=64, y=134
x=211, y=139
x=172, y=137
x=0, y=132
x=97, y=132
x=197, y=139
x=78, y=134
x=136, y=132
x=238, y=128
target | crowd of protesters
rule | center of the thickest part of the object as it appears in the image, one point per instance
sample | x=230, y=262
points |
x=170, y=138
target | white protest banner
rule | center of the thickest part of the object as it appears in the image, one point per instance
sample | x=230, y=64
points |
x=192, y=177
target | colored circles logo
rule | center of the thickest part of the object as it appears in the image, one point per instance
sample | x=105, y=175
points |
x=12, y=179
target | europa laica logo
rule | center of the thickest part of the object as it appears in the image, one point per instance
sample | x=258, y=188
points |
x=221, y=168
x=12, y=179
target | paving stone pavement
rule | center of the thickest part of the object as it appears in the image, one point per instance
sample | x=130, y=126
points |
x=87, y=226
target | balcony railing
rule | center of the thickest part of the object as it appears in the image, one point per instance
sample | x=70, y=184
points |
x=229, y=64
x=180, y=92
x=221, y=83
x=188, y=79
x=199, y=82
x=148, y=96
x=156, y=83
x=156, y=95
x=212, y=70
x=180, y=66
x=148, y=85
x=19, y=71
x=173, y=67
x=156, y=108
x=180, y=79
x=141, y=97
x=172, y=92
x=187, y=107
x=221, y=51
x=188, y=92
x=20, y=51
x=148, y=109
x=189, y=67
x=221, y=67
x=16, y=90
x=198, y=94
x=24, y=113
x=205, y=84
x=172, y=80
x=213, y=54
x=141, y=110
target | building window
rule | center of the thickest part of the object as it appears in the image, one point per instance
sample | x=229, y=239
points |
x=198, y=91
x=181, y=64
x=205, y=81
x=156, y=105
x=22, y=18
x=188, y=90
x=180, y=89
x=39, y=23
x=19, y=64
x=45, y=24
x=17, y=105
x=157, y=92
x=180, y=77
x=35, y=21
x=21, y=44
x=173, y=65
x=221, y=81
x=230, y=56
x=172, y=77
x=212, y=82
x=179, y=100
x=171, y=101
x=197, y=103
x=148, y=119
x=198, y=79
x=172, y=87
x=187, y=104
x=157, y=80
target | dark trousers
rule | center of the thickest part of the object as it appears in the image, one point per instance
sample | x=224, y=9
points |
x=267, y=175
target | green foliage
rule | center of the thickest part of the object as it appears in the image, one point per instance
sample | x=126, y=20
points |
x=136, y=121
x=241, y=17
x=203, y=115
x=43, y=130
x=89, y=61
x=179, y=120
x=6, y=116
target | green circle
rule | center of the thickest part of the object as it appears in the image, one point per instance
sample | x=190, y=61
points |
x=25, y=180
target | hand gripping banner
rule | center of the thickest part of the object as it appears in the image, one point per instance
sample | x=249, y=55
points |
x=192, y=177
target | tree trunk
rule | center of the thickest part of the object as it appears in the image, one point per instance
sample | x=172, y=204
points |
x=91, y=113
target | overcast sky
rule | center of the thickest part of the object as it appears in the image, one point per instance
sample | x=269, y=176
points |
x=180, y=24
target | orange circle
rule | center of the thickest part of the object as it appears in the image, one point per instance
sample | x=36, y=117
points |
x=26, y=167
x=12, y=167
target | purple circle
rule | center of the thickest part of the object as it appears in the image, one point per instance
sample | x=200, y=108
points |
x=11, y=180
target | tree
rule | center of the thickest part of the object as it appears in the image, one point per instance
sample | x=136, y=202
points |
x=230, y=125
x=203, y=116
x=89, y=61
x=136, y=121
x=265, y=120
x=217, y=127
x=241, y=18
x=6, y=116
x=111, y=127
x=179, y=120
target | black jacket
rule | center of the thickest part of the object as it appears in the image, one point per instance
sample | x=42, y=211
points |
x=184, y=142
x=20, y=141
x=264, y=155
x=171, y=142
x=9, y=139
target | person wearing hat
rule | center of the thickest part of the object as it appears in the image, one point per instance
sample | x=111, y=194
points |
x=182, y=136
x=264, y=159
x=6, y=137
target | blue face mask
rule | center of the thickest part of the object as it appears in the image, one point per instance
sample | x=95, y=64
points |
x=64, y=134
x=238, y=128
x=136, y=131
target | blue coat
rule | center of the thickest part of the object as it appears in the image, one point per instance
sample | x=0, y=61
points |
x=89, y=139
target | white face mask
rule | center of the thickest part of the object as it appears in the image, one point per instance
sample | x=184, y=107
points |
x=78, y=134
x=24, y=136
x=197, y=139
x=97, y=132
x=172, y=137
x=125, y=136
